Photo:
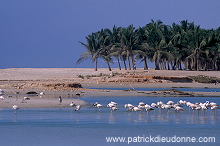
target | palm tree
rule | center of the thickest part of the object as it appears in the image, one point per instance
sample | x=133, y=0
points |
x=104, y=40
x=197, y=40
x=143, y=50
x=116, y=50
x=93, y=49
x=128, y=41
x=180, y=50
x=165, y=45
x=158, y=41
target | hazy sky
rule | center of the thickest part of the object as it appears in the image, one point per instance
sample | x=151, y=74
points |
x=46, y=33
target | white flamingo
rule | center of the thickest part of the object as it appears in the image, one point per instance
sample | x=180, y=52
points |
x=128, y=105
x=141, y=103
x=141, y=106
x=98, y=106
x=148, y=108
x=170, y=102
x=2, y=92
x=178, y=108
x=2, y=98
x=215, y=107
x=114, y=108
x=72, y=104
x=159, y=104
x=153, y=105
x=166, y=106
x=112, y=104
x=25, y=99
x=42, y=94
x=182, y=102
x=15, y=108
x=60, y=99
x=136, y=109
x=213, y=104
x=94, y=104
x=78, y=107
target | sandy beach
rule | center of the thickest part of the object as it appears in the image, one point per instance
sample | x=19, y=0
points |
x=64, y=81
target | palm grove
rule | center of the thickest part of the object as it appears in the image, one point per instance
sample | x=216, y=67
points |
x=179, y=46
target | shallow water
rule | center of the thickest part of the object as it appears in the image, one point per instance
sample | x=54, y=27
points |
x=91, y=127
x=156, y=89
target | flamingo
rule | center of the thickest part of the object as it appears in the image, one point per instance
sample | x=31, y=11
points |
x=182, y=102
x=128, y=105
x=141, y=103
x=166, y=106
x=2, y=98
x=177, y=104
x=153, y=104
x=72, y=104
x=98, y=106
x=148, y=108
x=78, y=107
x=114, y=108
x=111, y=104
x=170, y=102
x=2, y=92
x=95, y=103
x=42, y=94
x=159, y=104
x=207, y=104
x=178, y=108
x=16, y=93
x=214, y=107
x=137, y=109
x=60, y=99
x=141, y=106
x=25, y=99
x=213, y=104
x=15, y=108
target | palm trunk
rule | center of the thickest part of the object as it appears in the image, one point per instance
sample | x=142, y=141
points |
x=129, y=64
x=189, y=67
x=174, y=65
x=96, y=64
x=185, y=64
x=133, y=62
x=119, y=65
x=168, y=65
x=125, y=66
x=109, y=67
x=157, y=67
x=197, y=63
x=180, y=66
x=145, y=63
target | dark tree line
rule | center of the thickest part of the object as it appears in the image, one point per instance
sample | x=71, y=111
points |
x=179, y=46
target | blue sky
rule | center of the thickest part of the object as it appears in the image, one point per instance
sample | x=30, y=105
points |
x=46, y=33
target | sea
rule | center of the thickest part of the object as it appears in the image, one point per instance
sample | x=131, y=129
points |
x=99, y=127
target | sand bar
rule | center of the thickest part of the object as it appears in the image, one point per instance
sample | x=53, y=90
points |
x=23, y=80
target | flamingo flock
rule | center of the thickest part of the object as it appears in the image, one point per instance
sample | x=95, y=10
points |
x=198, y=106
x=178, y=106
x=113, y=106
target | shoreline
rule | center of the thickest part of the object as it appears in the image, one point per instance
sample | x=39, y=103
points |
x=61, y=81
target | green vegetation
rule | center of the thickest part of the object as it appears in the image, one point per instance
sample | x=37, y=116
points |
x=205, y=79
x=169, y=47
x=100, y=75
